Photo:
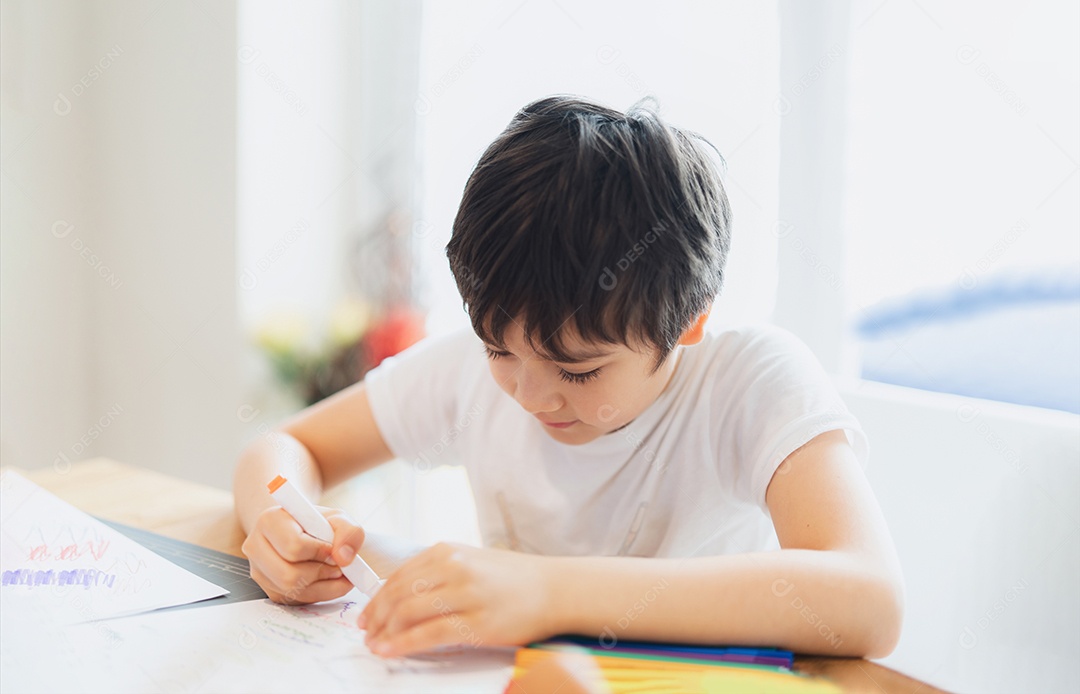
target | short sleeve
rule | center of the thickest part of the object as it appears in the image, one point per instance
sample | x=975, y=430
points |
x=414, y=396
x=784, y=399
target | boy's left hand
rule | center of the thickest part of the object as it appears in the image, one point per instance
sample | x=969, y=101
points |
x=456, y=594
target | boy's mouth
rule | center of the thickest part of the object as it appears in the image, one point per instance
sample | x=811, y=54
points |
x=558, y=425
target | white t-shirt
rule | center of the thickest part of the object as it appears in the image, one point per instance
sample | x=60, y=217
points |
x=687, y=477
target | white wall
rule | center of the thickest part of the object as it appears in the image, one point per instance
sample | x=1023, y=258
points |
x=120, y=334
x=44, y=355
x=982, y=500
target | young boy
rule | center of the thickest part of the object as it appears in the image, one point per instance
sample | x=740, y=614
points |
x=634, y=477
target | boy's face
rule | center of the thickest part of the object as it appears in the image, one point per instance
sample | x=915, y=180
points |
x=578, y=402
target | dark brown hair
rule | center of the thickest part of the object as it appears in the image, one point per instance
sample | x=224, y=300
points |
x=577, y=214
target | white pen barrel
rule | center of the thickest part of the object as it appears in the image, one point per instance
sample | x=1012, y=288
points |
x=316, y=525
x=306, y=515
x=362, y=576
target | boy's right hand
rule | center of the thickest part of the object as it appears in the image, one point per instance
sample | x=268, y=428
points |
x=293, y=567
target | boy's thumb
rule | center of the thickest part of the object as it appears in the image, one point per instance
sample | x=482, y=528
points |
x=348, y=539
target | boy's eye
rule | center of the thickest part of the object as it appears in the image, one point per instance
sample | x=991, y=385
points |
x=570, y=377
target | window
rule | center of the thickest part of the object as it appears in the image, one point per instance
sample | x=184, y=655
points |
x=962, y=198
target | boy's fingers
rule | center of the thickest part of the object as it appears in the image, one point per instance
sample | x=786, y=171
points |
x=326, y=590
x=290, y=541
x=266, y=584
x=288, y=578
x=404, y=584
x=305, y=591
x=316, y=592
x=348, y=539
x=412, y=611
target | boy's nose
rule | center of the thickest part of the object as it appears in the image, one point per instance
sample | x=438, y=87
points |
x=534, y=394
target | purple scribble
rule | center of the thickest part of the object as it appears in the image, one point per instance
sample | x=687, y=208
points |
x=86, y=578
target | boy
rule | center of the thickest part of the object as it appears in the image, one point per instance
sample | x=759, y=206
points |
x=634, y=477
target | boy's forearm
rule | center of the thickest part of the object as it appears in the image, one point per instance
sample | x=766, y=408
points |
x=275, y=453
x=803, y=600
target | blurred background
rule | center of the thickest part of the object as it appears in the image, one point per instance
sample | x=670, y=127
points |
x=214, y=213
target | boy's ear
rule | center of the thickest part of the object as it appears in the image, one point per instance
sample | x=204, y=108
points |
x=695, y=332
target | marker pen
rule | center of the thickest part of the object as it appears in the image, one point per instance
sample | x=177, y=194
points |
x=316, y=525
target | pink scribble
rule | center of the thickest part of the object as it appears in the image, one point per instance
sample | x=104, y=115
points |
x=71, y=552
x=99, y=552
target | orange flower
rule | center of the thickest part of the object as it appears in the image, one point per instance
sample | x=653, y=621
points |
x=399, y=329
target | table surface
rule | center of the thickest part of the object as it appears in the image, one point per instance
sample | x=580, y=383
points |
x=203, y=515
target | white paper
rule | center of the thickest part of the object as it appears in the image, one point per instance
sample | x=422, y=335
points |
x=253, y=646
x=76, y=568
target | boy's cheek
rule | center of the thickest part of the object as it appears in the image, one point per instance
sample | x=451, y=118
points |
x=606, y=416
x=503, y=376
x=608, y=411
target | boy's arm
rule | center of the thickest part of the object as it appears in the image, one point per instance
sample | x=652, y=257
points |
x=835, y=588
x=322, y=445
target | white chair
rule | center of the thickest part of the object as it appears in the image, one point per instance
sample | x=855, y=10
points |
x=983, y=501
